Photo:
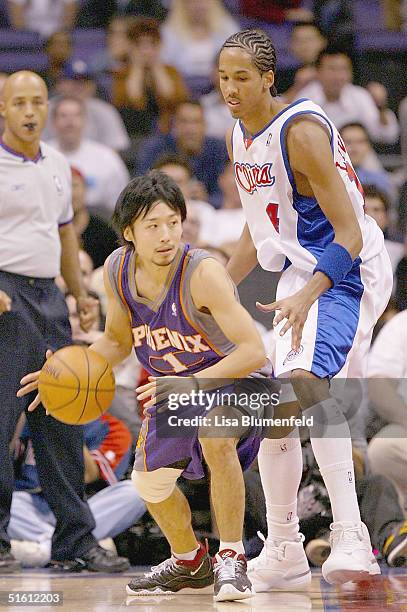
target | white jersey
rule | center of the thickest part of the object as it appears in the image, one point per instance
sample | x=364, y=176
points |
x=285, y=226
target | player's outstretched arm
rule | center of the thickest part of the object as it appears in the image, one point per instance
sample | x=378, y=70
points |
x=212, y=289
x=116, y=342
x=310, y=155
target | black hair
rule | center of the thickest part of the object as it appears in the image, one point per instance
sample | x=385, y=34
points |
x=141, y=194
x=329, y=52
x=259, y=46
x=173, y=159
x=371, y=191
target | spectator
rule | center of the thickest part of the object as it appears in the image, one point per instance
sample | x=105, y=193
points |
x=104, y=171
x=364, y=159
x=191, y=227
x=388, y=393
x=344, y=102
x=207, y=156
x=58, y=48
x=193, y=33
x=377, y=206
x=306, y=43
x=274, y=11
x=179, y=169
x=115, y=506
x=44, y=17
x=114, y=56
x=147, y=91
x=104, y=123
x=94, y=234
x=218, y=119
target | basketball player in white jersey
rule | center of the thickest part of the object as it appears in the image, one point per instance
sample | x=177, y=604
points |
x=304, y=210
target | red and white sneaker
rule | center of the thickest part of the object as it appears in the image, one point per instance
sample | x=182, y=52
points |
x=231, y=581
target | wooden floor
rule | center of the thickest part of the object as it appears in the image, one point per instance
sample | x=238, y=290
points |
x=88, y=592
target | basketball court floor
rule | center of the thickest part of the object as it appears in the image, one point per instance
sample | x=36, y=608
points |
x=87, y=592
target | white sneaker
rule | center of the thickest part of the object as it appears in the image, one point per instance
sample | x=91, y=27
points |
x=280, y=565
x=351, y=555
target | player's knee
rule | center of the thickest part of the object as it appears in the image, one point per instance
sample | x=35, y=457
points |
x=308, y=388
x=156, y=486
x=218, y=450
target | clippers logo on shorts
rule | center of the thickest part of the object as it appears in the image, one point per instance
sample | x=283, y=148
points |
x=58, y=184
x=293, y=355
x=250, y=177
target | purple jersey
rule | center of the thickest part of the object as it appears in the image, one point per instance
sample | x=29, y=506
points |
x=171, y=336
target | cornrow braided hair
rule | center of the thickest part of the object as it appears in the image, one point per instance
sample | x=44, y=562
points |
x=260, y=46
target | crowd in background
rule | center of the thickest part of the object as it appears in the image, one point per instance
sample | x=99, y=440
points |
x=147, y=96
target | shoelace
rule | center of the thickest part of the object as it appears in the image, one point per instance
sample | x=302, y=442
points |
x=226, y=568
x=346, y=537
x=270, y=550
x=161, y=567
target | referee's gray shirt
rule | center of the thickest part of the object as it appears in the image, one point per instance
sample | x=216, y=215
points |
x=35, y=199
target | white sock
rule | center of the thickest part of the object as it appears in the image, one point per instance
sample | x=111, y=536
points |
x=188, y=556
x=334, y=458
x=236, y=546
x=280, y=466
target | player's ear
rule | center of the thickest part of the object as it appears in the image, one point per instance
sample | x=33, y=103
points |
x=128, y=234
x=268, y=79
x=2, y=108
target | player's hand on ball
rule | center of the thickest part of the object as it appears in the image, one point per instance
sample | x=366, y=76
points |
x=29, y=383
x=295, y=309
x=5, y=302
x=88, y=310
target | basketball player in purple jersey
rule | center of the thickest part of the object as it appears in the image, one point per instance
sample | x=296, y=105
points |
x=178, y=308
x=304, y=209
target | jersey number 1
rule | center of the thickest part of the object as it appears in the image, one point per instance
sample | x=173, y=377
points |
x=272, y=212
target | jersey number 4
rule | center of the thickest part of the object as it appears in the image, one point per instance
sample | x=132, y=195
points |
x=272, y=212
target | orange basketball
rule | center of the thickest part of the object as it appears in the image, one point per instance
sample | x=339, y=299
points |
x=76, y=385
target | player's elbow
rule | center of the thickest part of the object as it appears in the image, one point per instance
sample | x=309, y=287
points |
x=351, y=238
x=256, y=356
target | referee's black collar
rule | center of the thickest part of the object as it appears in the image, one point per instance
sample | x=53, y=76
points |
x=23, y=157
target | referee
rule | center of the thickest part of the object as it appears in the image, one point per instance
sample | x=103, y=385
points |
x=37, y=242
